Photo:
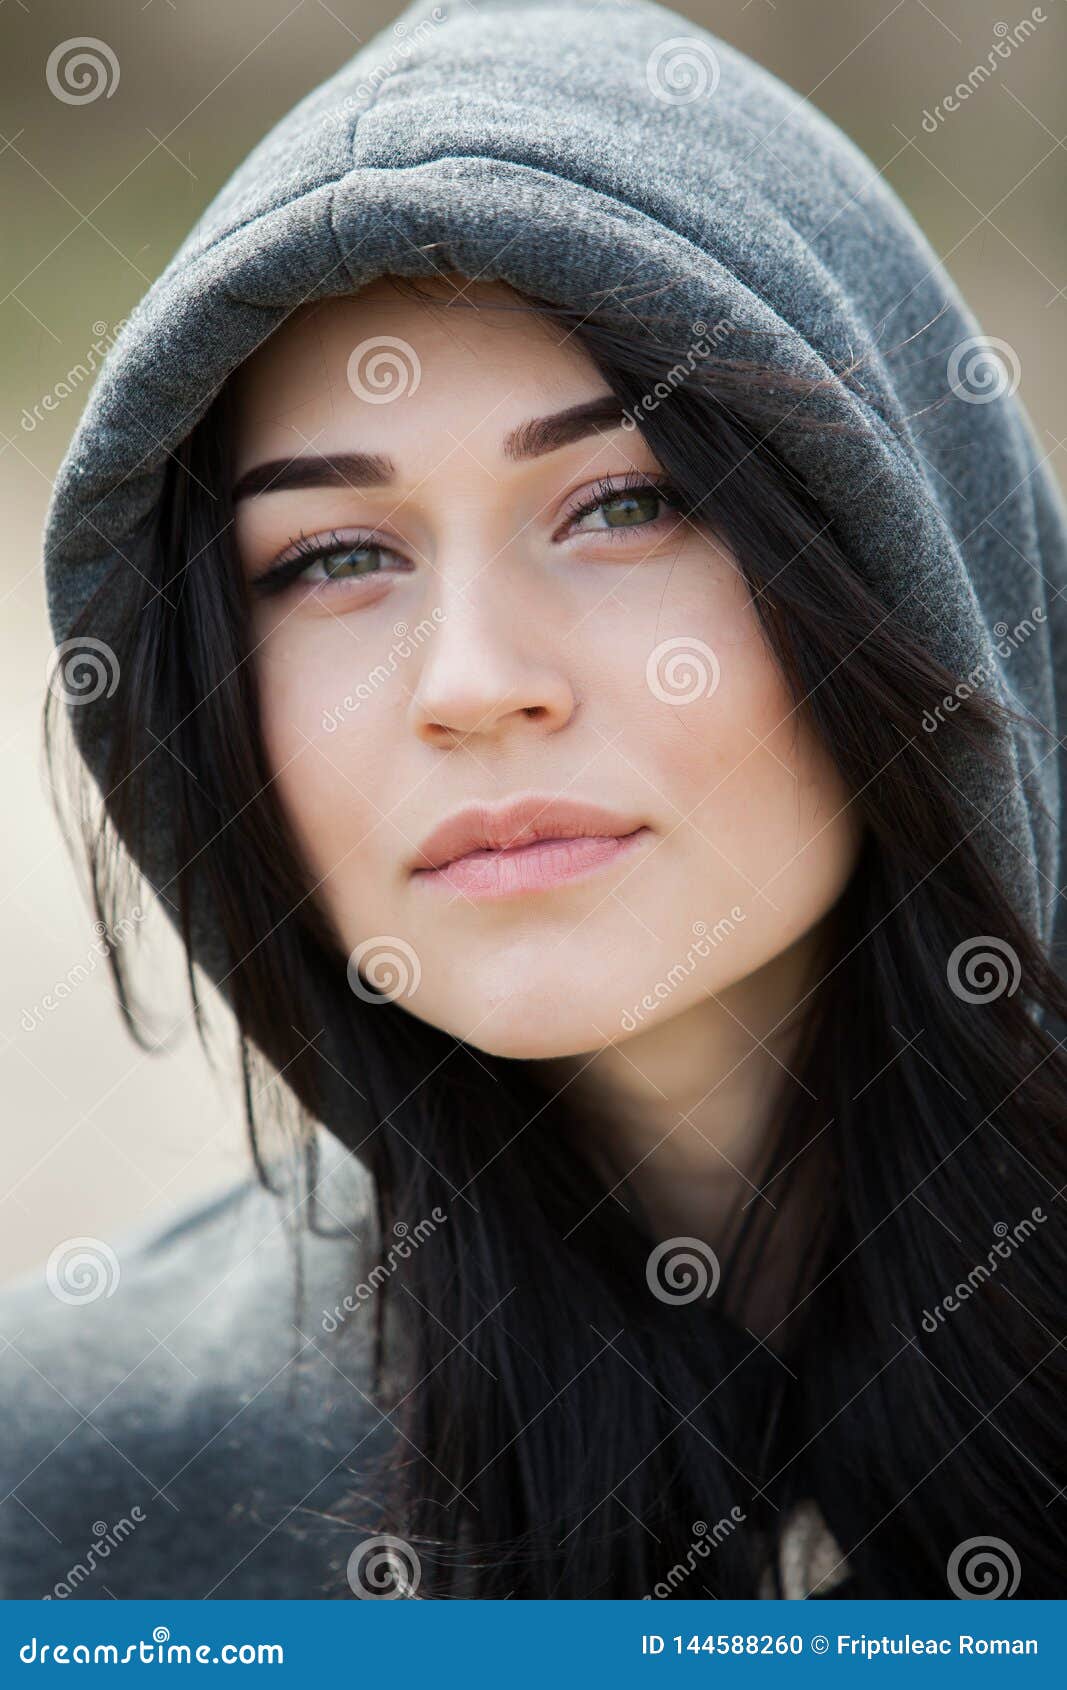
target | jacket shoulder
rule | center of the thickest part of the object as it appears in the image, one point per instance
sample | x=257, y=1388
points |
x=177, y=1424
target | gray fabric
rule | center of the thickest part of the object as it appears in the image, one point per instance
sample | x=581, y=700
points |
x=178, y=1436
x=519, y=141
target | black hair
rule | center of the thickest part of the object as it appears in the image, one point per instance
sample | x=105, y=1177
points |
x=569, y=1434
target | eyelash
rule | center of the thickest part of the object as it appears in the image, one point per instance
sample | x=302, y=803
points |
x=307, y=550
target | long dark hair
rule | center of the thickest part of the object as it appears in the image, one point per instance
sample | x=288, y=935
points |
x=562, y=1432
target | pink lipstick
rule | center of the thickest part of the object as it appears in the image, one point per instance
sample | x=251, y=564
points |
x=530, y=845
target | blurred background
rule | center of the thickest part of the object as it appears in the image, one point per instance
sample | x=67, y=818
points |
x=95, y=197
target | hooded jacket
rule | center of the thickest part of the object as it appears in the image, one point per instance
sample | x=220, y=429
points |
x=608, y=153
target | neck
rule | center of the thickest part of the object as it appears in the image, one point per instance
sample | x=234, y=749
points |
x=684, y=1113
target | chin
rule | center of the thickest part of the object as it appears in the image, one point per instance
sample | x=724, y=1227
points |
x=512, y=1031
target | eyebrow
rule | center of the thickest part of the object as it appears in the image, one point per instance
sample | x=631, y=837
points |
x=530, y=439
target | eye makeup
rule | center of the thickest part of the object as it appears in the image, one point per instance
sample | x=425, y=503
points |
x=317, y=560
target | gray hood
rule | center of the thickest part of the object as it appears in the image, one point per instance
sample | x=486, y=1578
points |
x=606, y=153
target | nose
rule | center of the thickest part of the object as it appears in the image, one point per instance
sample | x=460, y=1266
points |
x=487, y=668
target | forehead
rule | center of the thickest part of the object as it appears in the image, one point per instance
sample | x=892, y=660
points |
x=459, y=326
x=464, y=358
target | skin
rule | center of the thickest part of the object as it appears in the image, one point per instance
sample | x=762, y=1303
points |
x=531, y=675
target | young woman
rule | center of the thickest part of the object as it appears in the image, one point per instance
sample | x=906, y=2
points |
x=575, y=639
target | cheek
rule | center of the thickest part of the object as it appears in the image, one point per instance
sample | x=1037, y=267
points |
x=311, y=704
x=761, y=812
x=712, y=692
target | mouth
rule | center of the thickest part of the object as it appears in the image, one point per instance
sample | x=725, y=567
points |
x=532, y=845
x=536, y=867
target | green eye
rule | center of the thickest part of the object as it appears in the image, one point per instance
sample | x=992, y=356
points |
x=328, y=560
x=631, y=509
x=331, y=566
x=610, y=509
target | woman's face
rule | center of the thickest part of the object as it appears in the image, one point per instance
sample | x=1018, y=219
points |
x=487, y=613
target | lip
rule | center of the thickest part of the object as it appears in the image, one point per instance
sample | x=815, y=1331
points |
x=528, y=845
